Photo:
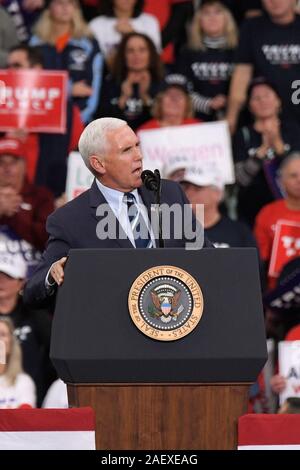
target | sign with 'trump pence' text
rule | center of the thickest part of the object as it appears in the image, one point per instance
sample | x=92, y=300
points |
x=33, y=100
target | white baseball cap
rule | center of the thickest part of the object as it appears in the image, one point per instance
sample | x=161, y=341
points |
x=175, y=163
x=202, y=177
x=13, y=264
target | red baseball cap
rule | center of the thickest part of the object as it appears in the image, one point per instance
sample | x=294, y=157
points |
x=11, y=147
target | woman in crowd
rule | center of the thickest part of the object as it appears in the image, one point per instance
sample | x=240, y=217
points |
x=208, y=61
x=172, y=107
x=16, y=388
x=134, y=81
x=66, y=43
x=259, y=149
x=120, y=17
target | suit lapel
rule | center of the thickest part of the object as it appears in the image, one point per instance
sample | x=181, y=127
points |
x=96, y=199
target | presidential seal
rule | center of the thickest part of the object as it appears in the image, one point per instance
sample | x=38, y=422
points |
x=165, y=303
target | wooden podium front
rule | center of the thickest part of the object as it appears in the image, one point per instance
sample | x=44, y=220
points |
x=163, y=416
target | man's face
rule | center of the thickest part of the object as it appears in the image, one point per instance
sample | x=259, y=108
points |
x=279, y=8
x=291, y=179
x=122, y=163
x=12, y=171
x=18, y=60
x=209, y=196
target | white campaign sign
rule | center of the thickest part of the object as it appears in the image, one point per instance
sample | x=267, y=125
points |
x=289, y=367
x=79, y=178
x=206, y=144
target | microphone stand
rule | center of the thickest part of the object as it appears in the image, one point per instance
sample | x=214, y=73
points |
x=157, y=201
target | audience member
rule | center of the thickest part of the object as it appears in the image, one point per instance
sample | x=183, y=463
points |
x=259, y=150
x=46, y=154
x=286, y=209
x=8, y=36
x=24, y=13
x=32, y=327
x=17, y=389
x=208, y=62
x=66, y=43
x=269, y=46
x=206, y=187
x=173, y=16
x=134, y=81
x=117, y=19
x=24, y=208
x=172, y=107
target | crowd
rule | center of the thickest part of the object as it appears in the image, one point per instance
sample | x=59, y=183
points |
x=154, y=64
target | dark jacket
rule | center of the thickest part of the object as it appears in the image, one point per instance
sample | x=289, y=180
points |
x=75, y=224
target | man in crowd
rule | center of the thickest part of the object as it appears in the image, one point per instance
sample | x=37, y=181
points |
x=207, y=188
x=46, y=154
x=269, y=47
x=280, y=219
x=32, y=327
x=24, y=208
x=110, y=149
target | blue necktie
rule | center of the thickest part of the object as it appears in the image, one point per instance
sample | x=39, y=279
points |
x=139, y=227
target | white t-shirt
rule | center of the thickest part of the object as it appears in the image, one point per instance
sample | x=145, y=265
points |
x=103, y=28
x=56, y=396
x=21, y=393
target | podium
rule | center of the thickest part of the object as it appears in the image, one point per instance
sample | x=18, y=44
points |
x=160, y=395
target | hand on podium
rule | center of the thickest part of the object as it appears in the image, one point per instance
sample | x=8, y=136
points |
x=56, y=273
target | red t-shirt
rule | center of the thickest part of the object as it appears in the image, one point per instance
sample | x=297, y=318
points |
x=270, y=220
x=265, y=224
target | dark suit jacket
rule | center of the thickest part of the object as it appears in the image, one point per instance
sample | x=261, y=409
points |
x=74, y=226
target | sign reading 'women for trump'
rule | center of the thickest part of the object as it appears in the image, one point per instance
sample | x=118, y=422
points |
x=205, y=144
x=34, y=100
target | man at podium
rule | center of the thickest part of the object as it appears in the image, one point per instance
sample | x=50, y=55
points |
x=116, y=212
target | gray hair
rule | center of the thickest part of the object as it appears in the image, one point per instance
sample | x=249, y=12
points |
x=290, y=158
x=93, y=140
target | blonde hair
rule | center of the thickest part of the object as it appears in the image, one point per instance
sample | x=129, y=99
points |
x=14, y=359
x=157, y=107
x=44, y=30
x=230, y=33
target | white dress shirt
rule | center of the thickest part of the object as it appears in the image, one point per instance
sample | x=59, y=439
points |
x=119, y=208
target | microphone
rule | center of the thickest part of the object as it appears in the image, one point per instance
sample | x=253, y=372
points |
x=150, y=180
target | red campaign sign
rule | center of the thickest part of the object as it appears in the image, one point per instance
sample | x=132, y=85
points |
x=34, y=100
x=286, y=245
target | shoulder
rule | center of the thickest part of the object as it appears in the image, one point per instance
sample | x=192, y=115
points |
x=72, y=208
x=171, y=188
x=147, y=18
x=100, y=21
x=151, y=124
x=253, y=23
x=237, y=225
x=271, y=209
x=36, y=41
x=24, y=380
